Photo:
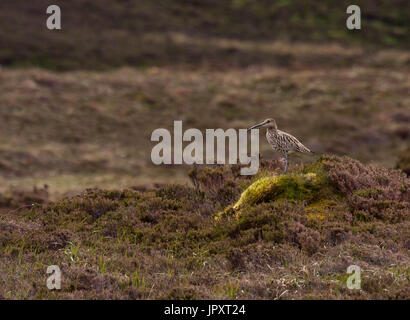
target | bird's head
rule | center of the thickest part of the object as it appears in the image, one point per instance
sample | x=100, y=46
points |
x=269, y=123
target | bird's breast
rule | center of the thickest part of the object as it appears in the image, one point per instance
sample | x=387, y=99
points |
x=273, y=140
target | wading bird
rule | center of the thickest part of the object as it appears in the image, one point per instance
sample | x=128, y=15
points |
x=281, y=141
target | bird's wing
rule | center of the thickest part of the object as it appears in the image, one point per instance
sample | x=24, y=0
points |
x=292, y=143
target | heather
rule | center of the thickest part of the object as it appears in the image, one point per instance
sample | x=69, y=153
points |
x=223, y=235
x=78, y=187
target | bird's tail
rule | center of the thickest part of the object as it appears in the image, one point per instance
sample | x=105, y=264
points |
x=315, y=152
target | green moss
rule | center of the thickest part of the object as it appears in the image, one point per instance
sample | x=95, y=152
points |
x=262, y=190
x=293, y=187
x=318, y=211
x=309, y=186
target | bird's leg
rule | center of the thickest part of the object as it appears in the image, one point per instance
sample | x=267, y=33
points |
x=287, y=162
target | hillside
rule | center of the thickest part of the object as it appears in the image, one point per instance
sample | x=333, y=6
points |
x=287, y=237
x=107, y=34
x=134, y=66
x=80, y=129
x=78, y=188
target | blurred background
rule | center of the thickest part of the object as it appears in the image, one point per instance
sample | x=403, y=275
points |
x=78, y=105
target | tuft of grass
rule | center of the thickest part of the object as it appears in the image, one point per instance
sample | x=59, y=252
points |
x=138, y=280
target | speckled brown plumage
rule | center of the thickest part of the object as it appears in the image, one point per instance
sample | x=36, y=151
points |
x=281, y=141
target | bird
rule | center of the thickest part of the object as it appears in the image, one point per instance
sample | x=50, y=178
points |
x=281, y=141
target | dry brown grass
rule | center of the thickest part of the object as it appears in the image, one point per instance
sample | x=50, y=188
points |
x=80, y=129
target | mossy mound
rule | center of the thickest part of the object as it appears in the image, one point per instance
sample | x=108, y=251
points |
x=292, y=187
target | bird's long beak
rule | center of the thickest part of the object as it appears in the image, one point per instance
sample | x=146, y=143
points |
x=256, y=126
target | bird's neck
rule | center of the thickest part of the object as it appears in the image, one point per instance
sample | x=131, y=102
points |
x=272, y=129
